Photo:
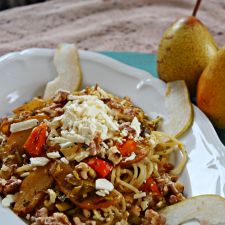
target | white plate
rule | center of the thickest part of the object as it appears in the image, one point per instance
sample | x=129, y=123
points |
x=24, y=75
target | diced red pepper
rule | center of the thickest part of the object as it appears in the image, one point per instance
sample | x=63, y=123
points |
x=128, y=147
x=101, y=167
x=150, y=186
x=36, y=141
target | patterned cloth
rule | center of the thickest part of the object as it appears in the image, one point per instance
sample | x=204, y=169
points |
x=124, y=25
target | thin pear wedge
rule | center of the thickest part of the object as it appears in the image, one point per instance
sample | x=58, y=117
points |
x=179, y=109
x=207, y=209
x=67, y=64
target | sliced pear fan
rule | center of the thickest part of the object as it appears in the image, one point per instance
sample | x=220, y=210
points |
x=207, y=209
x=179, y=109
x=67, y=64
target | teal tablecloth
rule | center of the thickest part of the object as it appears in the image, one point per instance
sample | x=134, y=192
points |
x=145, y=62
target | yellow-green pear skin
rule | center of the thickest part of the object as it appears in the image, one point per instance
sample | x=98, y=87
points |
x=211, y=90
x=185, y=50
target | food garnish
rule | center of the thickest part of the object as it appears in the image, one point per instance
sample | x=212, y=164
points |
x=67, y=64
x=206, y=209
x=179, y=109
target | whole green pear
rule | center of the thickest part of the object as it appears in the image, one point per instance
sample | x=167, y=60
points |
x=185, y=50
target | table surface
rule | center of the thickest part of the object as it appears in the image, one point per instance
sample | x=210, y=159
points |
x=102, y=25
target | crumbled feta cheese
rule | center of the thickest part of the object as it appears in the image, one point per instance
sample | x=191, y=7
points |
x=131, y=157
x=114, y=155
x=66, y=144
x=3, y=181
x=144, y=205
x=124, y=133
x=39, y=161
x=103, y=184
x=104, y=145
x=24, y=168
x=136, y=125
x=118, y=139
x=53, y=155
x=64, y=160
x=5, y=168
x=102, y=192
x=24, y=125
x=72, y=136
x=83, y=117
x=139, y=195
x=52, y=196
x=25, y=174
x=2, y=138
x=69, y=175
x=27, y=216
x=8, y=200
x=81, y=155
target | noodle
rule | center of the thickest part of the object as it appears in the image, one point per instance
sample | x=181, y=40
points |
x=108, y=164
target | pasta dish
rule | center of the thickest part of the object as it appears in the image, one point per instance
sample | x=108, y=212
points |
x=87, y=157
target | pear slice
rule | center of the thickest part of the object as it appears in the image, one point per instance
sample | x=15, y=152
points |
x=67, y=63
x=207, y=209
x=179, y=109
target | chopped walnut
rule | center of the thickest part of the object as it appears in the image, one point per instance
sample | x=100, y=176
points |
x=12, y=186
x=85, y=171
x=114, y=155
x=52, y=110
x=43, y=212
x=61, y=96
x=136, y=210
x=153, y=218
x=41, y=218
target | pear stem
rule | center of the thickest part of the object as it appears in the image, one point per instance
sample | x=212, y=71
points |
x=196, y=8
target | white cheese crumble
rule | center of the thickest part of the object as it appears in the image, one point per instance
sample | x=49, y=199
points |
x=8, y=200
x=5, y=168
x=139, y=195
x=144, y=205
x=2, y=138
x=53, y=155
x=102, y=192
x=24, y=168
x=39, y=161
x=84, y=116
x=24, y=125
x=136, y=125
x=64, y=160
x=103, y=184
x=25, y=174
x=131, y=157
x=52, y=196
x=3, y=181
x=81, y=155
x=124, y=133
x=104, y=145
